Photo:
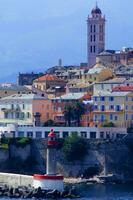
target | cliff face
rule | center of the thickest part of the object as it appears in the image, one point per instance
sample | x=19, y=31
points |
x=109, y=157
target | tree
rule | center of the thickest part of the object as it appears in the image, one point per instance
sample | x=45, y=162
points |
x=49, y=122
x=74, y=148
x=79, y=110
x=108, y=124
x=68, y=113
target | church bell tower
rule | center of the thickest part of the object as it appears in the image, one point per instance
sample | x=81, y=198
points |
x=95, y=35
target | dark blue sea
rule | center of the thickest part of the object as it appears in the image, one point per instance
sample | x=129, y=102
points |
x=102, y=192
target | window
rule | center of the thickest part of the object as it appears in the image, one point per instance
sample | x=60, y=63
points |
x=111, y=98
x=95, y=107
x=95, y=118
x=17, y=115
x=94, y=49
x=91, y=28
x=116, y=118
x=38, y=134
x=6, y=115
x=23, y=106
x=126, y=107
x=132, y=117
x=30, y=134
x=102, y=98
x=28, y=115
x=84, y=134
x=91, y=49
x=95, y=98
x=111, y=116
x=94, y=38
x=20, y=134
x=91, y=38
x=12, y=106
x=118, y=108
x=111, y=107
x=94, y=28
x=92, y=135
x=126, y=98
x=22, y=115
x=102, y=118
x=126, y=116
x=102, y=108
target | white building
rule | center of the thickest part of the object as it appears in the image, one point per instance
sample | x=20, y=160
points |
x=14, y=130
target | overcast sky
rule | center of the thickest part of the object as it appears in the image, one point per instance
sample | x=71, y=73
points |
x=34, y=34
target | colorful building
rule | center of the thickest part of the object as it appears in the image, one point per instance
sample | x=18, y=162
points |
x=25, y=109
x=50, y=84
x=59, y=104
x=98, y=73
x=115, y=107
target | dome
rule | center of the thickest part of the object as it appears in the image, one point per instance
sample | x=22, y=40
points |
x=96, y=10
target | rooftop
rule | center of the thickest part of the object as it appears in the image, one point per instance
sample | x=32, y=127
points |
x=13, y=87
x=48, y=77
x=71, y=96
x=23, y=97
x=96, y=69
x=114, y=94
x=114, y=80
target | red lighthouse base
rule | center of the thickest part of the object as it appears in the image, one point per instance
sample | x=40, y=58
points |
x=48, y=182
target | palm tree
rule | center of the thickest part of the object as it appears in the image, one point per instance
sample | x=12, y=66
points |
x=68, y=114
x=79, y=110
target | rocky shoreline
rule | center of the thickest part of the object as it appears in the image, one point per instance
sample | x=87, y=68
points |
x=30, y=192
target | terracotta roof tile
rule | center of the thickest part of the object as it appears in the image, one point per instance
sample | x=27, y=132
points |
x=48, y=77
x=123, y=88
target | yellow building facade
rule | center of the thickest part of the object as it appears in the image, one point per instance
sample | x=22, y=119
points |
x=98, y=73
x=115, y=107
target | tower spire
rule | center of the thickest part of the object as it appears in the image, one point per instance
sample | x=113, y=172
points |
x=96, y=4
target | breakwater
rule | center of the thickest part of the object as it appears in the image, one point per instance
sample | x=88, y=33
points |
x=20, y=186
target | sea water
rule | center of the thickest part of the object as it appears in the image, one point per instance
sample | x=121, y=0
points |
x=103, y=192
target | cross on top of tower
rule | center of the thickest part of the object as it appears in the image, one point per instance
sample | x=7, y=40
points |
x=96, y=10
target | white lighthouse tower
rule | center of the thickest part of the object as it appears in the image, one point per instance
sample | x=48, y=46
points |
x=95, y=35
x=50, y=180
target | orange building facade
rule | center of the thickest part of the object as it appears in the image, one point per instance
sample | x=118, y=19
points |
x=60, y=103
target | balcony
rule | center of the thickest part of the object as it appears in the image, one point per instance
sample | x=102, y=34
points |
x=10, y=110
x=109, y=111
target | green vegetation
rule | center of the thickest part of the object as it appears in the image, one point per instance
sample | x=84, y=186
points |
x=74, y=148
x=79, y=110
x=49, y=122
x=68, y=113
x=92, y=171
x=74, y=112
x=108, y=124
x=20, y=141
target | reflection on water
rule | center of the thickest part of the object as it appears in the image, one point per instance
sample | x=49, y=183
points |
x=108, y=192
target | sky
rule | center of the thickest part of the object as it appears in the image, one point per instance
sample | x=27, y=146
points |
x=34, y=34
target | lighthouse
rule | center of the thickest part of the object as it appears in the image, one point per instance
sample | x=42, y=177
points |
x=51, y=180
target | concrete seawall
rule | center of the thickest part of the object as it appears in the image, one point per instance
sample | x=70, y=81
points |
x=15, y=180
